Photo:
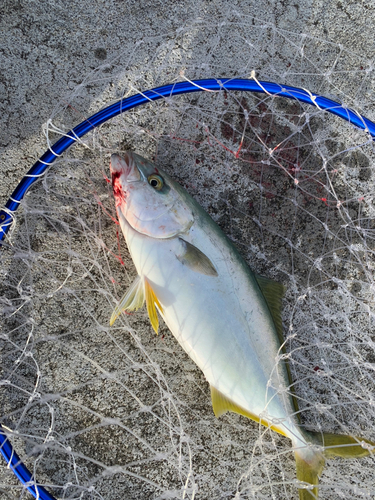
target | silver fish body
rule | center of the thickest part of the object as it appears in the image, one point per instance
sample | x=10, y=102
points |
x=211, y=301
x=223, y=322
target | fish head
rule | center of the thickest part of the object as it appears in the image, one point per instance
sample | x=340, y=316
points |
x=149, y=200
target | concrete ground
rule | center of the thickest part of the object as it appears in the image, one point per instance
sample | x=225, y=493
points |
x=48, y=48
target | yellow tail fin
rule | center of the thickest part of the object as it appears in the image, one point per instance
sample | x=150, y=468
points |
x=310, y=460
x=339, y=445
x=309, y=464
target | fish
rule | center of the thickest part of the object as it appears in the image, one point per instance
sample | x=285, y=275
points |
x=226, y=317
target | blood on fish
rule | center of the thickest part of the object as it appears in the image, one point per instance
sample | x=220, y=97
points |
x=116, y=185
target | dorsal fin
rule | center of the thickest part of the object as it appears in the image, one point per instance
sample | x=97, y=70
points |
x=273, y=292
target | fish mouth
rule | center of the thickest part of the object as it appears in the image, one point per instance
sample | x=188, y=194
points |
x=125, y=167
x=123, y=171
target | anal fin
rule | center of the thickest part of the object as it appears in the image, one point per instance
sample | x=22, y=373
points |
x=221, y=404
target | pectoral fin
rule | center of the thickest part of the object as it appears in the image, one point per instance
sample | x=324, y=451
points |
x=196, y=260
x=132, y=300
x=151, y=302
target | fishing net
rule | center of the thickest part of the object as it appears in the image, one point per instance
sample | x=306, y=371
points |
x=112, y=413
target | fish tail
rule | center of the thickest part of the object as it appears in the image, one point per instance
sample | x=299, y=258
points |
x=310, y=462
x=310, y=459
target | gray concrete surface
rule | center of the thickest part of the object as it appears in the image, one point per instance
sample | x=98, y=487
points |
x=47, y=48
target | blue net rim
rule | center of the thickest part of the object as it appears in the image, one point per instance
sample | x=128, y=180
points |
x=165, y=91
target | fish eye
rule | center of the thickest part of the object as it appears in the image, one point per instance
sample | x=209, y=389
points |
x=156, y=181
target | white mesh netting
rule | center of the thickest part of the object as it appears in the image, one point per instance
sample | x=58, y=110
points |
x=119, y=413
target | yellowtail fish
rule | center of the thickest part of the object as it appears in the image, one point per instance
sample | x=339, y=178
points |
x=225, y=317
